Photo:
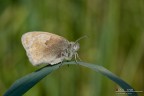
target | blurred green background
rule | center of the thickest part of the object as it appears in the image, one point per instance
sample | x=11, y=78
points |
x=115, y=31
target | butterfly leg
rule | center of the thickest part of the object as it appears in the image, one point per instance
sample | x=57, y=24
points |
x=78, y=56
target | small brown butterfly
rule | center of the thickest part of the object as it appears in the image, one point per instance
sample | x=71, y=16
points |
x=48, y=48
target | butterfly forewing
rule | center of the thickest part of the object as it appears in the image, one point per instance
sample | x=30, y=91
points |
x=44, y=47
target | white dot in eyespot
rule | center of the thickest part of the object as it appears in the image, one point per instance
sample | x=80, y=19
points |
x=48, y=48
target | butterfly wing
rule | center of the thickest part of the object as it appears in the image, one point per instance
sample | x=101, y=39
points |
x=44, y=47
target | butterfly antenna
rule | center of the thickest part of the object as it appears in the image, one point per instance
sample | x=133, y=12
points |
x=80, y=38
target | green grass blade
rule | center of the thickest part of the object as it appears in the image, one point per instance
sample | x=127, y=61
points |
x=22, y=85
x=25, y=83
x=111, y=76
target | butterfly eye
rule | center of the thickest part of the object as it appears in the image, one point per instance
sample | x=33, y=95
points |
x=76, y=46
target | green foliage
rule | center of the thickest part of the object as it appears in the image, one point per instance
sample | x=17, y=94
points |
x=25, y=83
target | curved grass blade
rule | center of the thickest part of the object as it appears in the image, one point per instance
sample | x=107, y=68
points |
x=22, y=85
x=111, y=76
x=25, y=83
